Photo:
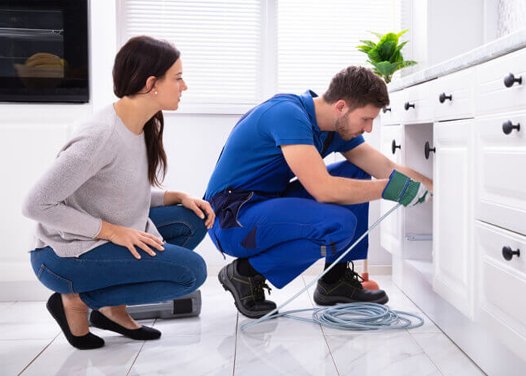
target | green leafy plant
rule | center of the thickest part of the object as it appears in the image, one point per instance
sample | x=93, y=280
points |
x=386, y=55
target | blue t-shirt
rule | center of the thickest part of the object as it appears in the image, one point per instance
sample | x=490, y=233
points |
x=252, y=160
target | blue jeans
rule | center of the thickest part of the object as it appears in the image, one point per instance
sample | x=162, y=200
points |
x=109, y=275
x=283, y=235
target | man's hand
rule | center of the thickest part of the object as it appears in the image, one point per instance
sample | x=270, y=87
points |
x=404, y=190
x=130, y=238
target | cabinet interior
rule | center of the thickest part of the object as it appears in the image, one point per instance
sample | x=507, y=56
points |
x=418, y=220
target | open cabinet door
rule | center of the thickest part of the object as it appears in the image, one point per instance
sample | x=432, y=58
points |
x=452, y=244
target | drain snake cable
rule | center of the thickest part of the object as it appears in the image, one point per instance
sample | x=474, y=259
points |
x=350, y=316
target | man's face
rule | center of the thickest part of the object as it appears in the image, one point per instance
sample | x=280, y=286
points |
x=353, y=123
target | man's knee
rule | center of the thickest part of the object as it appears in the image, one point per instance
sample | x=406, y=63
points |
x=340, y=224
x=346, y=169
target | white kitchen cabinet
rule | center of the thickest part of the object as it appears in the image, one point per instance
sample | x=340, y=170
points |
x=500, y=210
x=502, y=284
x=502, y=171
x=501, y=84
x=418, y=103
x=474, y=120
x=392, y=114
x=391, y=227
x=453, y=96
x=453, y=214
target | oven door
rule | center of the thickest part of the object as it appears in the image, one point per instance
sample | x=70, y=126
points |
x=44, y=51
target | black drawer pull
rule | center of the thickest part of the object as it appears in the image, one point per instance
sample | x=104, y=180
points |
x=508, y=127
x=510, y=80
x=408, y=105
x=508, y=253
x=428, y=149
x=385, y=109
x=443, y=97
x=394, y=146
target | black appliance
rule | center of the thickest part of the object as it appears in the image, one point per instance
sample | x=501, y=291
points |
x=44, y=51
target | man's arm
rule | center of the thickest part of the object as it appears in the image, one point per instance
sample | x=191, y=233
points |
x=306, y=163
x=379, y=166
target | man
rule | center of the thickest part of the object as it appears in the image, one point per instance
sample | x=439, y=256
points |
x=276, y=228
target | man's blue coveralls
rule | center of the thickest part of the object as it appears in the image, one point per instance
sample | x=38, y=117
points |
x=261, y=214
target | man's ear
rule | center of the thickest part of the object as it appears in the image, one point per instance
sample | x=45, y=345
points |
x=340, y=105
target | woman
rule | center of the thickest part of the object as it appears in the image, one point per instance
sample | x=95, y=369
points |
x=105, y=239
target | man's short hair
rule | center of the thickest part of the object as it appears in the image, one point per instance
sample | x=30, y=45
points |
x=358, y=87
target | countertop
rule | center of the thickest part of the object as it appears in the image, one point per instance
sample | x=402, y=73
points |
x=496, y=48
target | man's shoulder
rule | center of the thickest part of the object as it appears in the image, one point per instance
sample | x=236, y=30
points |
x=283, y=106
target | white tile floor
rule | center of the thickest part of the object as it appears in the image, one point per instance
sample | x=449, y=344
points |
x=213, y=344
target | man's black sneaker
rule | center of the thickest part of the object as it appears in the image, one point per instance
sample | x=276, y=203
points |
x=248, y=292
x=348, y=289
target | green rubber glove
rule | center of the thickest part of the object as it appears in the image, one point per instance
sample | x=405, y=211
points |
x=405, y=190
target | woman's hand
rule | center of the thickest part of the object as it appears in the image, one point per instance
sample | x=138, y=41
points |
x=201, y=208
x=130, y=238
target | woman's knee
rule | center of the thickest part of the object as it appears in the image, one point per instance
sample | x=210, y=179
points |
x=192, y=262
x=199, y=230
x=199, y=270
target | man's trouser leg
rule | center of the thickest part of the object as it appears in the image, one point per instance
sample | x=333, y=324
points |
x=282, y=237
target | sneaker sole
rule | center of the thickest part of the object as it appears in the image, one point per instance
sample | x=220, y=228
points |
x=325, y=300
x=228, y=286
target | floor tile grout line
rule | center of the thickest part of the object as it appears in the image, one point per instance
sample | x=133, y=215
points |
x=235, y=345
x=330, y=353
x=323, y=332
x=135, y=359
x=40, y=353
x=424, y=351
x=138, y=353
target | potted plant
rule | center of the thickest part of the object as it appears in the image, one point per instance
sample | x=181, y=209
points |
x=386, y=55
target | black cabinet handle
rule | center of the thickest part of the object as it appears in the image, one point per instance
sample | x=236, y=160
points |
x=510, y=80
x=394, y=146
x=385, y=109
x=508, y=127
x=408, y=105
x=443, y=97
x=428, y=149
x=508, y=253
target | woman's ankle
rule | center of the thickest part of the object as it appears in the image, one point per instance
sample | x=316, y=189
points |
x=76, y=314
x=120, y=315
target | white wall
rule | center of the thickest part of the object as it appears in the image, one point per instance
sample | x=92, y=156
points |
x=31, y=135
x=441, y=30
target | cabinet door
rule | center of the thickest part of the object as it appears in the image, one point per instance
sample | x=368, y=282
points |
x=502, y=84
x=503, y=309
x=453, y=96
x=391, y=227
x=501, y=171
x=452, y=214
x=418, y=104
x=392, y=114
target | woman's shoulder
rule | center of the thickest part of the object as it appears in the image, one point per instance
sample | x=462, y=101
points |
x=100, y=125
x=94, y=132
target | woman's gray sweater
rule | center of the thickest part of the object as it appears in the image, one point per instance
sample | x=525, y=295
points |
x=100, y=174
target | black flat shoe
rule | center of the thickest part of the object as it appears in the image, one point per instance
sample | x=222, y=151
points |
x=86, y=342
x=144, y=333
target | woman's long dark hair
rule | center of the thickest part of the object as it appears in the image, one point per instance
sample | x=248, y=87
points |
x=142, y=57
